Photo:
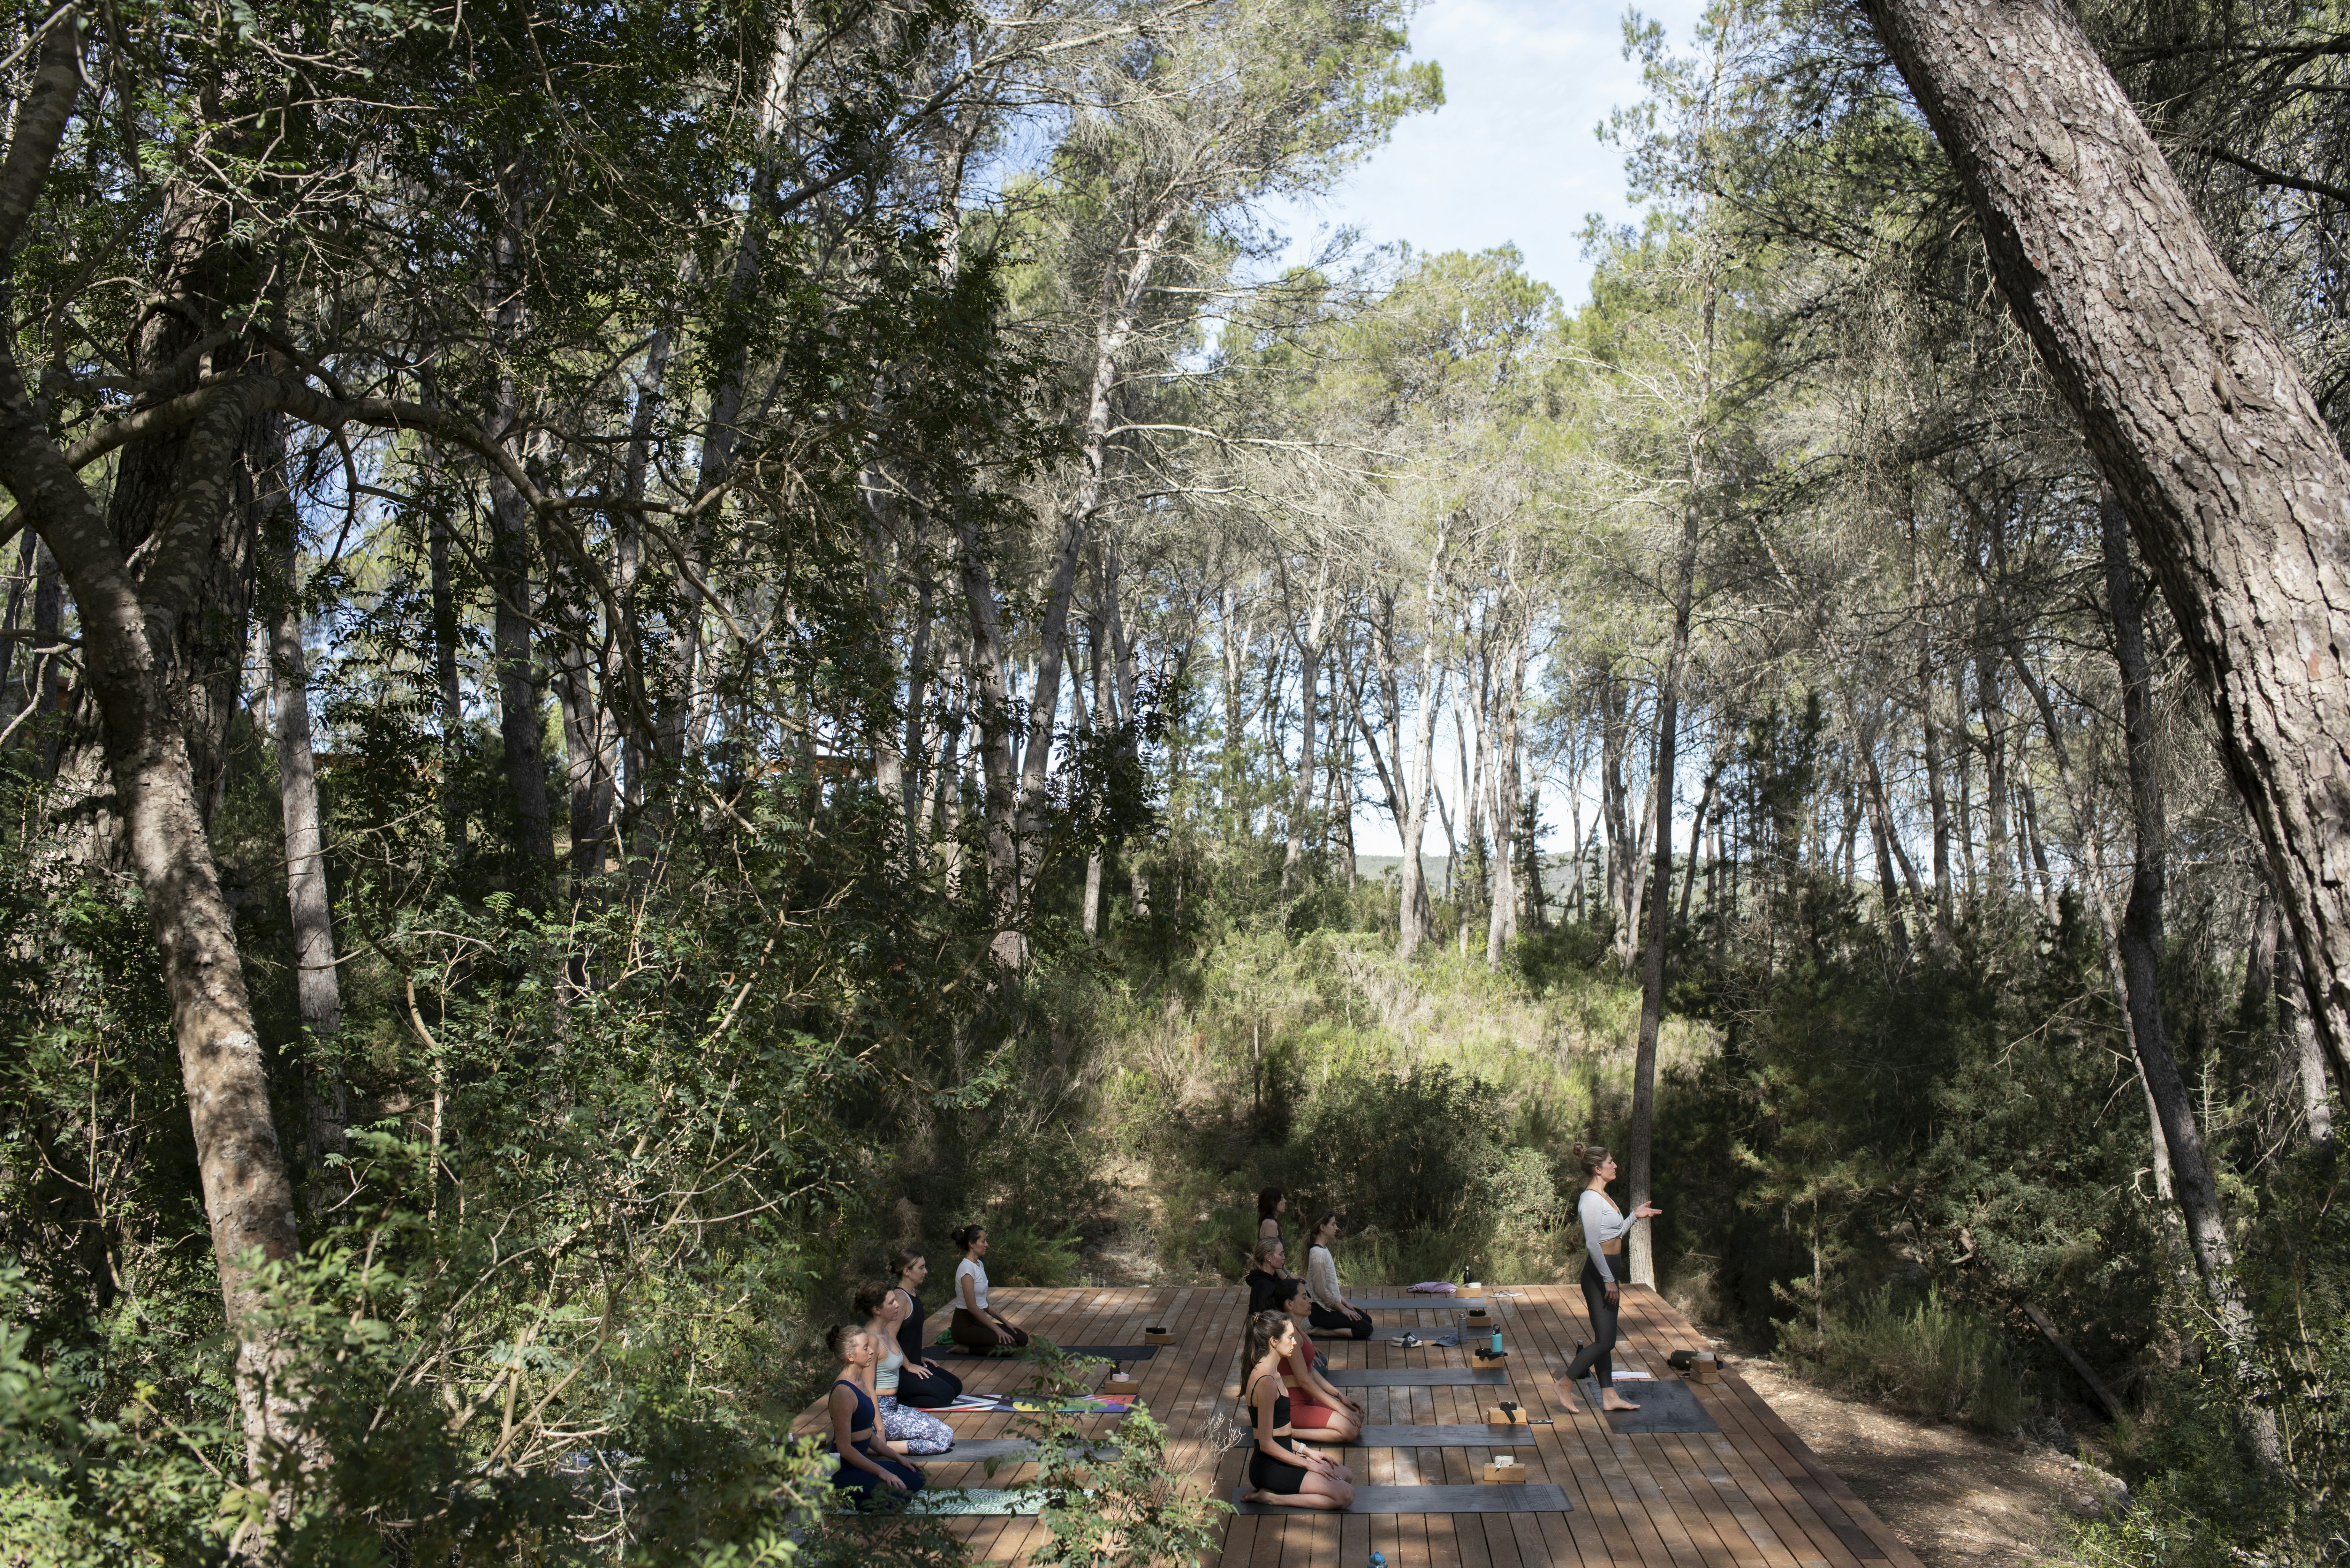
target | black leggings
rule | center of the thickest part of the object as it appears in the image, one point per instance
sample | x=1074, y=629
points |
x=1599, y=1351
x=1330, y=1320
x=927, y=1390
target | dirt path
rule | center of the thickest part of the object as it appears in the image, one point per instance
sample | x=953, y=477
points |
x=1958, y=1499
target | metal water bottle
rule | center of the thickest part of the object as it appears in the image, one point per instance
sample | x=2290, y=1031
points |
x=1497, y=1342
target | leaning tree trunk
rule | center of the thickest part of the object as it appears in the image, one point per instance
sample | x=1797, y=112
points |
x=2236, y=492
x=127, y=630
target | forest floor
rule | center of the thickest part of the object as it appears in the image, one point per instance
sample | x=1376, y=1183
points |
x=1955, y=1497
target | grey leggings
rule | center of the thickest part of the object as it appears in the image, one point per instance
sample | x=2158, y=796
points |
x=1599, y=1353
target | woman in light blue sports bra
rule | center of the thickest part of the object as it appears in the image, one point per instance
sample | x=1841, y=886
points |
x=1604, y=1229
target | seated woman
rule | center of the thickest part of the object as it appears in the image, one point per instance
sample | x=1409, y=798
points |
x=976, y=1325
x=1331, y=1314
x=1268, y=1276
x=867, y=1465
x=1269, y=1207
x=1279, y=1471
x=922, y=1384
x=883, y=1307
x=1319, y=1411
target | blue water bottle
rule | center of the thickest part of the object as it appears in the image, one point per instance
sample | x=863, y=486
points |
x=1378, y=1560
x=1497, y=1342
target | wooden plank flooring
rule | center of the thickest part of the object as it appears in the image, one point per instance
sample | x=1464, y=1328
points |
x=1751, y=1496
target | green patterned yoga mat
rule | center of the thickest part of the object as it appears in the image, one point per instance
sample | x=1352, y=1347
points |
x=946, y=1502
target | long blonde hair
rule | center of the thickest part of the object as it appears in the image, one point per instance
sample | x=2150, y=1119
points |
x=1262, y=1257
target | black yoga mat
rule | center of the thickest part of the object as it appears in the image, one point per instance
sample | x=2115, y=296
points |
x=1666, y=1405
x=1440, y=1436
x=1014, y=1353
x=1416, y=1377
x=974, y=1451
x=1502, y=1497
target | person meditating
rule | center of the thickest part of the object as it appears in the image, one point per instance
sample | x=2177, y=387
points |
x=922, y=1384
x=1316, y=1407
x=882, y=1305
x=868, y=1466
x=1279, y=1471
x=1268, y=1276
x=1604, y=1226
x=1269, y=1207
x=975, y=1325
x=1331, y=1314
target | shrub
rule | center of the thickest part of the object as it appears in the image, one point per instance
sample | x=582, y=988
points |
x=1938, y=1360
x=1020, y=1254
x=1404, y=1152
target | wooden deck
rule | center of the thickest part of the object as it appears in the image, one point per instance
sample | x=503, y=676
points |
x=1751, y=1496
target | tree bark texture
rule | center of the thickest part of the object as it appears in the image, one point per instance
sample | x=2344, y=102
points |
x=2236, y=492
x=128, y=630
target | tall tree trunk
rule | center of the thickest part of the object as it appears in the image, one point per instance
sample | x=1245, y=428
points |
x=1994, y=714
x=453, y=826
x=1309, y=668
x=2236, y=491
x=126, y=638
x=317, y=990
x=1501, y=923
x=1938, y=801
x=510, y=583
x=991, y=693
x=2141, y=950
x=1415, y=921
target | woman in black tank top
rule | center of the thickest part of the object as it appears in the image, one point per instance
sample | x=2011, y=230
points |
x=1279, y=1470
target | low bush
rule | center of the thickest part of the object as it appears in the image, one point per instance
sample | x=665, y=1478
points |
x=1936, y=1359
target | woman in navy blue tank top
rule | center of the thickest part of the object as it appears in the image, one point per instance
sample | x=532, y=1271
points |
x=867, y=1465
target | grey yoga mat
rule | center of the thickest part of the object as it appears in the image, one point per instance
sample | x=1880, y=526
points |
x=1507, y=1497
x=1416, y=1377
x=1010, y=1352
x=953, y=1501
x=973, y=1450
x=1409, y=1303
x=1440, y=1436
x=1666, y=1406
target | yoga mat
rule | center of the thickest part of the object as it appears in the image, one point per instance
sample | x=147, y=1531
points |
x=1508, y=1497
x=953, y=1501
x=1666, y=1405
x=1417, y=1377
x=1098, y=1352
x=1122, y=1405
x=1441, y=1437
x=976, y=1450
x=1408, y=1303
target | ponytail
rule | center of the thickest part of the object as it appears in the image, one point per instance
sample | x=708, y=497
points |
x=966, y=1237
x=1263, y=1328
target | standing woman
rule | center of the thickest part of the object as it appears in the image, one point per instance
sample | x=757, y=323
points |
x=1269, y=1207
x=911, y=1431
x=1604, y=1226
x=1279, y=1471
x=922, y=1383
x=867, y=1465
x=1317, y=1408
x=976, y=1327
x=1331, y=1314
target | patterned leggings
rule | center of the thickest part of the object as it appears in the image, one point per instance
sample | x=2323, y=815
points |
x=921, y=1432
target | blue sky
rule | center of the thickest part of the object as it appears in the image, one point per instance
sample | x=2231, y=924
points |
x=1513, y=156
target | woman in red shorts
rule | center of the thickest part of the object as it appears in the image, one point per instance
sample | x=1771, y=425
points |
x=1318, y=1412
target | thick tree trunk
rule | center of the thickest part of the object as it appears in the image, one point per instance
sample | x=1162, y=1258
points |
x=510, y=624
x=1939, y=802
x=454, y=825
x=993, y=696
x=247, y=1196
x=1309, y=669
x=1502, y=920
x=2236, y=492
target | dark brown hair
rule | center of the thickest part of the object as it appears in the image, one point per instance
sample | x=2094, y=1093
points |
x=1267, y=1201
x=869, y=1301
x=966, y=1236
x=1263, y=1328
x=837, y=1337
x=905, y=1258
x=1591, y=1157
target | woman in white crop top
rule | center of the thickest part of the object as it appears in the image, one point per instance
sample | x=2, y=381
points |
x=976, y=1325
x=1604, y=1229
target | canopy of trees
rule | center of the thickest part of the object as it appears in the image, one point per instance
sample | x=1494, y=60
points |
x=649, y=647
